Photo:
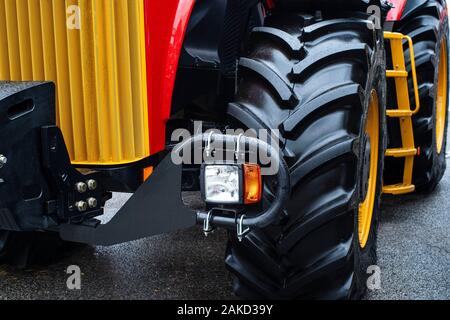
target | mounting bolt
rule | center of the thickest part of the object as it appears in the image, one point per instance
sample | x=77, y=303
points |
x=81, y=187
x=82, y=206
x=3, y=160
x=92, y=202
x=92, y=184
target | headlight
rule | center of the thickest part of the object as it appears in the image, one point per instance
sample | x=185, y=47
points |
x=222, y=184
x=232, y=183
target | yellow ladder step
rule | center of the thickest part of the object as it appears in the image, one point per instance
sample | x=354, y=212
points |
x=394, y=113
x=396, y=189
x=396, y=74
x=407, y=151
x=401, y=152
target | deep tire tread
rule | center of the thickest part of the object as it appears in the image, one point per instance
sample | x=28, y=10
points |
x=281, y=87
x=278, y=262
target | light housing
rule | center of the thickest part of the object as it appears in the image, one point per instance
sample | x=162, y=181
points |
x=228, y=184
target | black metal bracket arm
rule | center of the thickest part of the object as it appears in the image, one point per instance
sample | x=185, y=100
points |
x=155, y=208
x=79, y=196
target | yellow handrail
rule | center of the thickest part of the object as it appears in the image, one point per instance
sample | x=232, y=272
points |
x=396, y=35
x=414, y=74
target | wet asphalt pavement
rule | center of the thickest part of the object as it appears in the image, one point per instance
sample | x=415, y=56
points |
x=414, y=257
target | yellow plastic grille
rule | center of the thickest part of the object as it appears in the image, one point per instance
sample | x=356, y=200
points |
x=94, y=50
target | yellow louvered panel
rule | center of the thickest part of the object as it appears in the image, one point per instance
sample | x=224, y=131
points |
x=99, y=71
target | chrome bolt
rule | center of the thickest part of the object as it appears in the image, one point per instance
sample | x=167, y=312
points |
x=81, y=187
x=81, y=206
x=3, y=160
x=92, y=202
x=92, y=184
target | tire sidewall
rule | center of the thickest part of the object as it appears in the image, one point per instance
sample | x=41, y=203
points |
x=439, y=162
x=367, y=256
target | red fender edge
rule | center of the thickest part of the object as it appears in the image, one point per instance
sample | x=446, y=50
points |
x=165, y=28
x=395, y=14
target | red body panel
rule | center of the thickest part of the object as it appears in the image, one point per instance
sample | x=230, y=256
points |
x=165, y=24
x=396, y=13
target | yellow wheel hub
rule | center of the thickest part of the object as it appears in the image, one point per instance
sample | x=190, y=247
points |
x=366, y=207
x=441, y=97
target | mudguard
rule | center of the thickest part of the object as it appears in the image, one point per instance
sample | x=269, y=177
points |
x=165, y=27
x=395, y=14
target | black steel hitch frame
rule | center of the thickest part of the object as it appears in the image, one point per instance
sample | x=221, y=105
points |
x=157, y=206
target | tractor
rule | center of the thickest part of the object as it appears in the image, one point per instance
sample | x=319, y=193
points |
x=351, y=93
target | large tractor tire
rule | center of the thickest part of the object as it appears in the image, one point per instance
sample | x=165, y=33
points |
x=429, y=33
x=322, y=82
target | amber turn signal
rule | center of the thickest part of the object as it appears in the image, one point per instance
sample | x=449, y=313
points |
x=252, y=183
x=147, y=172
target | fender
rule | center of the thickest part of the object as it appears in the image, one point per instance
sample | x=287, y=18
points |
x=403, y=8
x=165, y=24
x=395, y=14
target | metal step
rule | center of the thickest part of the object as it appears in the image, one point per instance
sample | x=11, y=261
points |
x=398, y=113
x=397, y=189
x=396, y=74
x=401, y=152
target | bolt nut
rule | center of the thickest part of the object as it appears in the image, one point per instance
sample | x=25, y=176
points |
x=81, y=187
x=82, y=206
x=92, y=202
x=92, y=184
x=3, y=160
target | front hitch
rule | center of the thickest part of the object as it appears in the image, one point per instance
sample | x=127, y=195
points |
x=155, y=209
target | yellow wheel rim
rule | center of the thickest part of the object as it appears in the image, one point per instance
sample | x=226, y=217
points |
x=441, y=97
x=366, y=207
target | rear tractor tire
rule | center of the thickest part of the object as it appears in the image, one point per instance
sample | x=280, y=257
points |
x=322, y=83
x=429, y=32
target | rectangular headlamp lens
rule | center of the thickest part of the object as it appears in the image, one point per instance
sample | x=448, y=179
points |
x=222, y=184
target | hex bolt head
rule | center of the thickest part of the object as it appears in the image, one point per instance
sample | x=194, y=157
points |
x=92, y=202
x=92, y=184
x=3, y=160
x=81, y=187
x=82, y=206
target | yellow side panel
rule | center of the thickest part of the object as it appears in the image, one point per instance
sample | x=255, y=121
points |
x=94, y=50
